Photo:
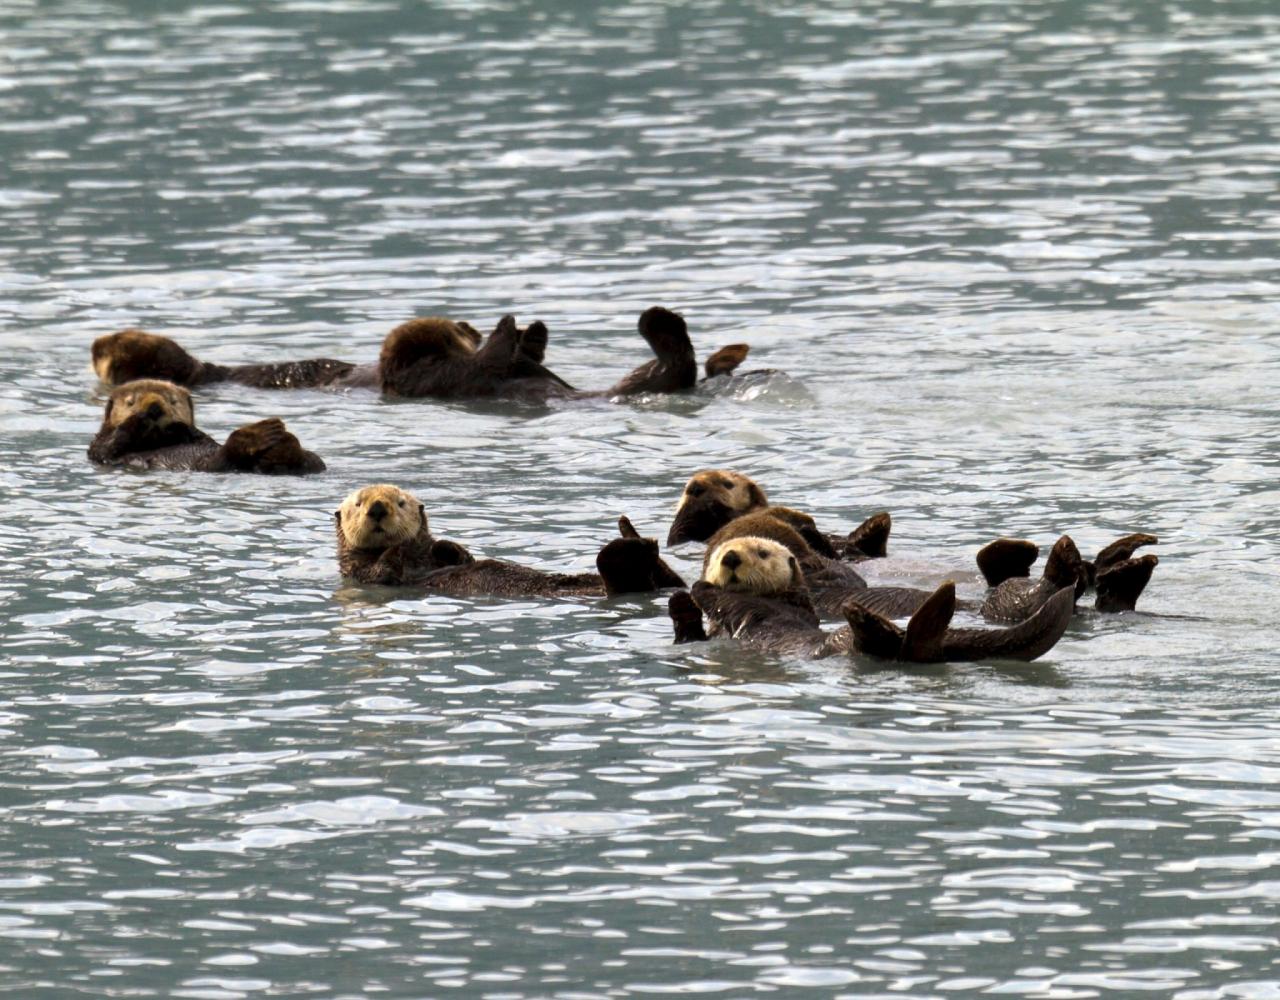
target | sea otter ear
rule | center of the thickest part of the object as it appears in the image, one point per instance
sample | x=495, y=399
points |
x=337, y=516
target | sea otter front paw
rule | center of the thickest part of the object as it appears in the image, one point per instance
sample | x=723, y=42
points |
x=686, y=618
x=268, y=446
x=446, y=553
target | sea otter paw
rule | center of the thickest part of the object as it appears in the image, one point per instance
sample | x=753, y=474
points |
x=247, y=443
x=686, y=617
x=446, y=553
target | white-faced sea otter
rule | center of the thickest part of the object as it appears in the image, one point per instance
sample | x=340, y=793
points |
x=384, y=538
x=150, y=424
x=753, y=590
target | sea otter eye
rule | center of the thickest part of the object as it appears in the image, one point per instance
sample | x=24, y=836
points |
x=727, y=483
x=400, y=504
x=762, y=553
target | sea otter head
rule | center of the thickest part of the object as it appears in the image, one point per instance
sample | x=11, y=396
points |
x=134, y=354
x=160, y=410
x=711, y=499
x=429, y=338
x=376, y=517
x=753, y=565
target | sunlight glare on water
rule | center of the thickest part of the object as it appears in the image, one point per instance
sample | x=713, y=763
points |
x=1014, y=268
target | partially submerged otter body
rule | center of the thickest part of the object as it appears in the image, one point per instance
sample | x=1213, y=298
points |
x=384, y=538
x=754, y=591
x=1118, y=577
x=150, y=424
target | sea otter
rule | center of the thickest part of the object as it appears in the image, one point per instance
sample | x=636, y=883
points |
x=428, y=357
x=384, y=538
x=1118, y=578
x=150, y=424
x=134, y=354
x=714, y=497
x=754, y=590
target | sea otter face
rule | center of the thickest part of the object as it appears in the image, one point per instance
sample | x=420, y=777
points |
x=753, y=565
x=378, y=516
x=134, y=354
x=157, y=405
x=711, y=499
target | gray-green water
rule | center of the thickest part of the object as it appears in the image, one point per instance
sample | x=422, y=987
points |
x=1019, y=260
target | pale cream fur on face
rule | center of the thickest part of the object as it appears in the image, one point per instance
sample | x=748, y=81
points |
x=732, y=489
x=763, y=566
x=403, y=519
x=138, y=396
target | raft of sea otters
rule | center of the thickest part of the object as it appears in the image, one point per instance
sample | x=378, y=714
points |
x=769, y=575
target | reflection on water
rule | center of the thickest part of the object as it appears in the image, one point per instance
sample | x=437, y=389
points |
x=1008, y=270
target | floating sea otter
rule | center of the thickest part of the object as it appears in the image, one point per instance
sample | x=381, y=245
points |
x=753, y=590
x=714, y=497
x=150, y=424
x=430, y=357
x=1115, y=574
x=384, y=538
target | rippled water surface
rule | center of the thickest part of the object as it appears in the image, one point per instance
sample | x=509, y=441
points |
x=1018, y=264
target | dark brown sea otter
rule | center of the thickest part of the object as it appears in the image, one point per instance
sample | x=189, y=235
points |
x=1115, y=574
x=428, y=357
x=384, y=538
x=135, y=354
x=150, y=424
x=754, y=591
x=714, y=497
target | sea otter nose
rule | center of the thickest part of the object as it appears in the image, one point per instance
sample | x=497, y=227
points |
x=155, y=411
x=378, y=510
x=732, y=560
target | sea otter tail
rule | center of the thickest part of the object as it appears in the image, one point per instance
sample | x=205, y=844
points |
x=1006, y=558
x=686, y=618
x=1121, y=584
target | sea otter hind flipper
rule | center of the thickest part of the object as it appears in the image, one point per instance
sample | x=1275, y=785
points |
x=726, y=360
x=923, y=640
x=1122, y=549
x=1006, y=558
x=870, y=539
x=633, y=566
x=1028, y=640
x=1121, y=584
x=873, y=634
x=667, y=333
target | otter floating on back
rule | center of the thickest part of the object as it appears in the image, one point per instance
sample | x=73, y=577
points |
x=754, y=591
x=384, y=538
x=150, y=424
x=429, y=357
